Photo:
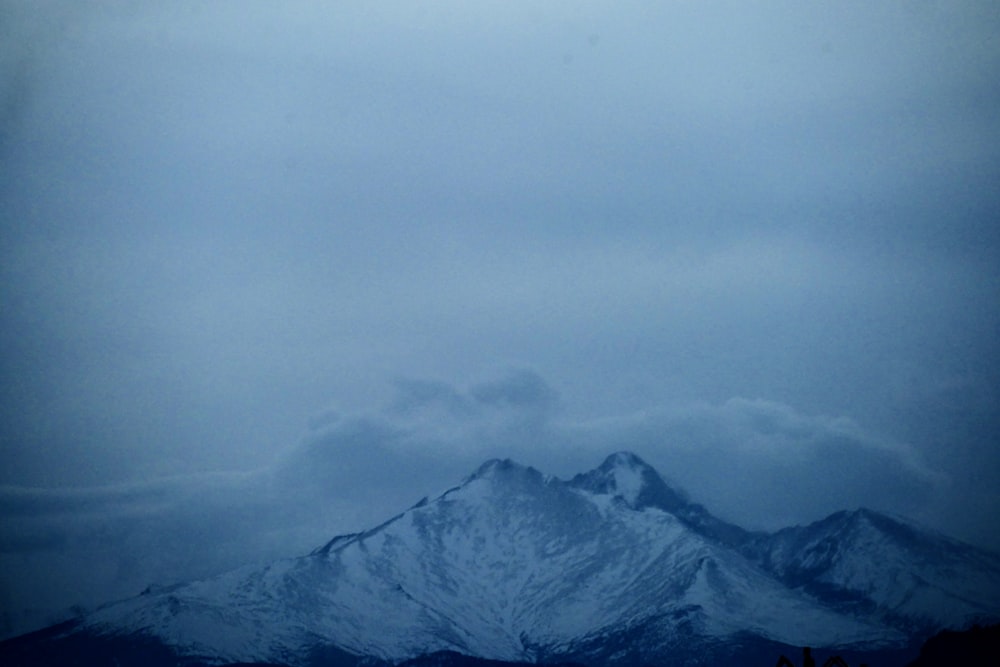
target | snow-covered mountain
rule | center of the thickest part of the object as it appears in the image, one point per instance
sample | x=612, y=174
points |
x=866, y=563
x=611, y=567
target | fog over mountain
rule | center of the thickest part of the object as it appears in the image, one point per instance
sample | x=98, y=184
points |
x=270, y=272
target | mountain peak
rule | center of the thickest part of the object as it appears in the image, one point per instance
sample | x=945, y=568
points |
x=492, y=466
x=624, y=459
x=506, y=472
x=626, y=476
x=498, y=467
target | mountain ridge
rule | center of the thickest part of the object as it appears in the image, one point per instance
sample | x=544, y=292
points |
x=609, y=567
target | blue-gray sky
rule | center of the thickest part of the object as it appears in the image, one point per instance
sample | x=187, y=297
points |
x=272, y=271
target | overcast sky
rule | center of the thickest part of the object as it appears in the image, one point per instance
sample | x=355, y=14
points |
x=274, y=271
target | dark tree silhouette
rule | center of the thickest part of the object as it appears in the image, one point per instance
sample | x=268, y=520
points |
x=807, y=660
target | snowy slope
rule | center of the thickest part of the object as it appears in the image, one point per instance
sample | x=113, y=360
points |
x=904, y=575
x=516, y=565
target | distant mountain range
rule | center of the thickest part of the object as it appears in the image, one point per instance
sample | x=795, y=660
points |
x=610, y=568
